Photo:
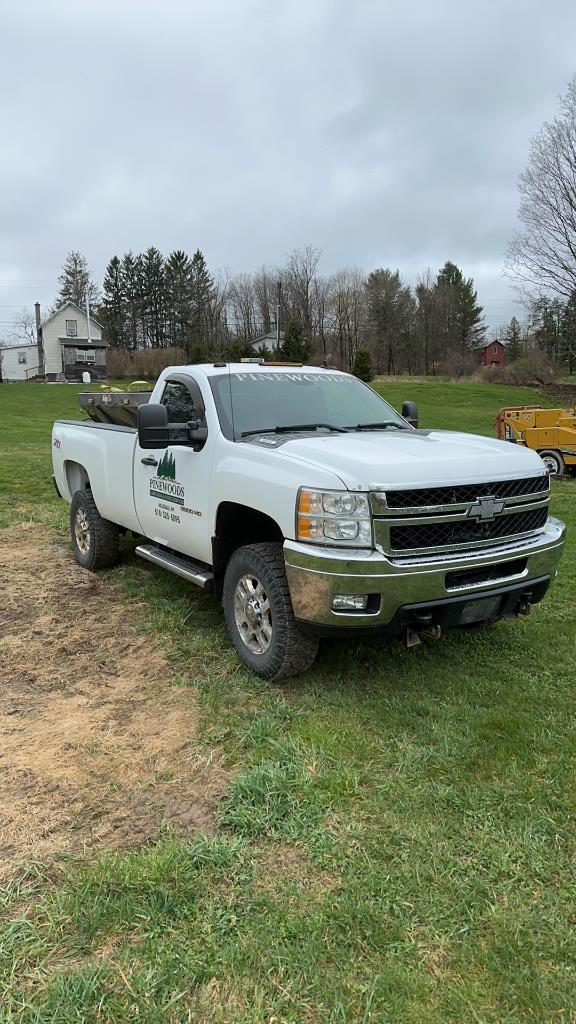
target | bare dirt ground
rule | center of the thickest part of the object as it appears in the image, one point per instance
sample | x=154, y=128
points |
x=97, y=748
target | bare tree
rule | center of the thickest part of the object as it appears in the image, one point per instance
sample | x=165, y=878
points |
x=320, y=303
x=264, y=283
x=297, y=278
x=543, y=253
x=347, y=307
x=23, y=329
x=243, y=307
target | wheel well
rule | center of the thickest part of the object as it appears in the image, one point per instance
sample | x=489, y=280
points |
x=237, y=525
x=76, y=477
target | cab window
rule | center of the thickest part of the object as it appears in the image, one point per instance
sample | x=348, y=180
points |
x=181, y=407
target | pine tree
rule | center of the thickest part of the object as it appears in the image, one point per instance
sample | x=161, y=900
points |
x=112, y=310
x=201, y=294
x=513, y=339
x=132, y=293
x=75, y=281
x=178, y=278
x=546, y=317
x=464, y=327
x=295, y=347
x=362, y=367
x=154, y=312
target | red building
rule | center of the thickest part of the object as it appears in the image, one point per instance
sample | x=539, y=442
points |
x=492, y=354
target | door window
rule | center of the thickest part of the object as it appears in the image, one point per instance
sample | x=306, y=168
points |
x=180, y=404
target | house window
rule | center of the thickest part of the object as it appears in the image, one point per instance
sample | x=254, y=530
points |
x=22, y=359
x=71, y=328
x=85, y=355
x=494, y=349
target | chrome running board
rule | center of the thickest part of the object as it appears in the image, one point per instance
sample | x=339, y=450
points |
x=177, y=564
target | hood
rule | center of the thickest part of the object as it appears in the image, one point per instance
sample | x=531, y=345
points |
x=410, y=458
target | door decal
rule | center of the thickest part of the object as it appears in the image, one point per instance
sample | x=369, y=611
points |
x=164, y=484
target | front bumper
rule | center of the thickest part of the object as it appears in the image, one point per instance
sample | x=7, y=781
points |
x=401, y=588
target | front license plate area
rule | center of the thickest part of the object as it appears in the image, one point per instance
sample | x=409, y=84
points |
x=478, y=611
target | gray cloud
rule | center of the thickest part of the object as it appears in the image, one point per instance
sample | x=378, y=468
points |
x=387, y=134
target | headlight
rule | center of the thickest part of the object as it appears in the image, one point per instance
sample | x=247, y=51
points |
x=340, y=518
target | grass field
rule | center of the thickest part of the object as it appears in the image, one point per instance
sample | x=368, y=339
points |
x=396, y=844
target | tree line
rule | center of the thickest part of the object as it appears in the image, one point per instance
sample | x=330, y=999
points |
x=550, y=329
x=153, y=301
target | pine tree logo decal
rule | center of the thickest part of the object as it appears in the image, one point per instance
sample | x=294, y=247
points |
x=164, y=485
x=167, y=467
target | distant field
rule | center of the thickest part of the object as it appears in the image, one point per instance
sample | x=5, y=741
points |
x=458, y=406
x=395, y=843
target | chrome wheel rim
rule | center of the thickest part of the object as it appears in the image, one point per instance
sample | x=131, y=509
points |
x=82, y=532
x=551, y=464
x=253, y=614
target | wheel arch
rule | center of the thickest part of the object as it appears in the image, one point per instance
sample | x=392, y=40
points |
x=76, y=475
x=237, y=525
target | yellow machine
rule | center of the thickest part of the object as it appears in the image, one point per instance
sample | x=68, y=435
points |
x=550, y=432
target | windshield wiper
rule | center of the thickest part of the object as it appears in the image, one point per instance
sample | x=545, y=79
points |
x=298, y=426
x=377, y=426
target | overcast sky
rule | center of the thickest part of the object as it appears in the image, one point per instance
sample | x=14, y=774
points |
x=385, y=133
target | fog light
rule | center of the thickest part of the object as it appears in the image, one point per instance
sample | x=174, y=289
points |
x=357, y=602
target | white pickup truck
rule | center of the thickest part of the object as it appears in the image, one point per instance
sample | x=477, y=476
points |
x=311, y=508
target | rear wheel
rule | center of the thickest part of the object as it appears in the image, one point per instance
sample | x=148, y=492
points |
x=259, y=613
x=95, y=541
x=553, y=461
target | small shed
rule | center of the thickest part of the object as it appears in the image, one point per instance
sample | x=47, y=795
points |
x=19, y=362
x=493, y=354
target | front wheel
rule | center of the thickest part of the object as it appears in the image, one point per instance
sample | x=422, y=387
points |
x=95, y=541
x=259, y=614
x=553, y=461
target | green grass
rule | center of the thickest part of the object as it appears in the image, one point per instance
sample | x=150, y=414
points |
x=397, y=843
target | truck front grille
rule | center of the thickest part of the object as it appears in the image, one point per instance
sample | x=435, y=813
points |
x=460, y=493
x=431, y=520
x=446, y=534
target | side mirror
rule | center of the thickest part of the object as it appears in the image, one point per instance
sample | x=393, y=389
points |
x=153, y=426
x=410, y=413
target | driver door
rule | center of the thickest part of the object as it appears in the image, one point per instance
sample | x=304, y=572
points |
x=171, y=485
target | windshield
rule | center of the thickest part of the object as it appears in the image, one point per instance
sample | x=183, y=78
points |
x=259, y=401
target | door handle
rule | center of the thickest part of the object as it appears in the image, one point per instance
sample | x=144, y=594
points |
x=149, y=461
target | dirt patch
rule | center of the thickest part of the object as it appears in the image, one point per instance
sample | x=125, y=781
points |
x=97, y=748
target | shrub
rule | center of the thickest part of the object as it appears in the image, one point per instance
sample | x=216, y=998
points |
x=144, y=363
x=362, y=367
x=535, y=368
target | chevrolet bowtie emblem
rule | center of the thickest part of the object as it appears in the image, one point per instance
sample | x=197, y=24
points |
x=485, y=508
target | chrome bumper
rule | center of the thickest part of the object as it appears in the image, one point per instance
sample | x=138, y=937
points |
x=316, y=574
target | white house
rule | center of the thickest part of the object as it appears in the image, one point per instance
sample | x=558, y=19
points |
x=267, y=341
x=63, y=350
x=18, y=362
x=65, y=347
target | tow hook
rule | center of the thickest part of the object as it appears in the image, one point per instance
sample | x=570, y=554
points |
x=524, y=606
x=422, y=628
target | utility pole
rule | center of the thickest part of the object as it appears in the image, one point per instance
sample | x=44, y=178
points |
x=88, y=317
x=278, y=303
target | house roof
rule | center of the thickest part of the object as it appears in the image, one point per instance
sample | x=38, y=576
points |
x=65, y=306
x=494, y=342
x=18, y=345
